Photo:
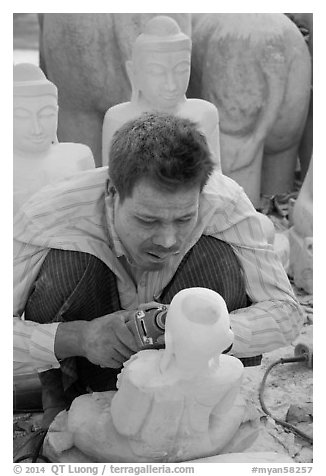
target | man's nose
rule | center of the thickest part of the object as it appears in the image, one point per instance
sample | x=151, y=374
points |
x=166, y=237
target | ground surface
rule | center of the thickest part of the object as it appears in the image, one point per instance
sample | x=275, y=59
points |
x=288, y=386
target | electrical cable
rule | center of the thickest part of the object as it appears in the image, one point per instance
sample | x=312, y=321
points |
x=294, y=429
x=35, y=454
x=43, y=459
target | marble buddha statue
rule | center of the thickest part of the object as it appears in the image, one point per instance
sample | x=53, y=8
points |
x=172, y=404
x=159, y=72
x=39, y=159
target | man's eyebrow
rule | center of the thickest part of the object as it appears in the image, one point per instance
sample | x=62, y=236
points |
x=145, y=215
x=156, y=217
x=186, y=215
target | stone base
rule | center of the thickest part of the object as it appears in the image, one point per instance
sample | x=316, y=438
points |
x=250, y=457
x=251, y=443
x=244, y=448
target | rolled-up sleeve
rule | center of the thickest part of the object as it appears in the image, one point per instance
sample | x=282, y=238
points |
x=275, y=317
x=33, y=343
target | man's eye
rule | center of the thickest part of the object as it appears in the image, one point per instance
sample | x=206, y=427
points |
x=146, y=222
x=184, y=220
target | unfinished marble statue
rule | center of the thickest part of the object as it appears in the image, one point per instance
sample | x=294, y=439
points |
x=159, y=73
x=172, y=404
x=301, y=235
x=38, y=157
x=256, y=68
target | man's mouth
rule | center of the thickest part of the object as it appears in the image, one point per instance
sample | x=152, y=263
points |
x=161, y=256
x=158, y=257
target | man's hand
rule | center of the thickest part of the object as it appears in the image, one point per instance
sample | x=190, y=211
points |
x=150, y=305
x=107, y=341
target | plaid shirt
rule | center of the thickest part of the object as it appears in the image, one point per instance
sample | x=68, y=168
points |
x=77, y=214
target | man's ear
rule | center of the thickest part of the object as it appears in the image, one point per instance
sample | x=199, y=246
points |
x=109, y=185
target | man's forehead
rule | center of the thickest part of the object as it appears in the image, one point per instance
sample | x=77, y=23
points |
x=147, y=199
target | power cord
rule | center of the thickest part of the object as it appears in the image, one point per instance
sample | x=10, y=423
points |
x=35, y=455
x=304, y=357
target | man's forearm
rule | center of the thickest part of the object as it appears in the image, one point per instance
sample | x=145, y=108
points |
x=69, y=339
x=265, y=326
x=43, y=345
x=104, y=341
x=34, y=345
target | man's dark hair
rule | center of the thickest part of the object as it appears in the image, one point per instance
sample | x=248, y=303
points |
x=166, y=150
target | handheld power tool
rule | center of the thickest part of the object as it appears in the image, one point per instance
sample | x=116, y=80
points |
x=148, y=326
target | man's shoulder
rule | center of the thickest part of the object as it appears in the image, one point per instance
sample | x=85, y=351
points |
x=74, y=190
x=59, y=215
x=221, y=188
x=225, y=203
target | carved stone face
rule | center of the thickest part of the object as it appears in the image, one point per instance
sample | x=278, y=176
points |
x=161, y=78
x=35, y=123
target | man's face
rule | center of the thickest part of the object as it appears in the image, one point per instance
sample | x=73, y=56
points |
x=162, y=78
x=35, y=123
x=153, y=224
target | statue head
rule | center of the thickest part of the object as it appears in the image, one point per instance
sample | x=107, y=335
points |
x=35, y=113
x=197, y=329
x=160, y=67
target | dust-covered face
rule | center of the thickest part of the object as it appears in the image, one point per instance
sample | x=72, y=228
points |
x=35, y=123
x=162, y=78
x=153, y=225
